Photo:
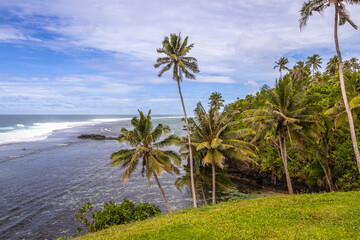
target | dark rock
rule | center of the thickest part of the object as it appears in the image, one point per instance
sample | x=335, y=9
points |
x=96, y=137
x=253, y=174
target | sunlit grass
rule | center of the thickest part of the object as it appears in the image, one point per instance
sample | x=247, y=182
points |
x=310, y=216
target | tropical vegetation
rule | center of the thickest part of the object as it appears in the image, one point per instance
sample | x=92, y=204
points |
x=113, y=214
x=341, y=17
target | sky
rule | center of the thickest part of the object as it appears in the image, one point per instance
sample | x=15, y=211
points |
x=97, y=56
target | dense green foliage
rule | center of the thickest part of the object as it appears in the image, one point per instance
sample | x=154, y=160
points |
x=113, y=214
x=306, y=113
x=307, y=216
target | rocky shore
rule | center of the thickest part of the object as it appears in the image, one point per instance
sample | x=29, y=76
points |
x=254, y=175
x=96, y=137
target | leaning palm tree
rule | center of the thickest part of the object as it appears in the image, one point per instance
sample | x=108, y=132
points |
x=213, y=133
x=281, y=64
x=341, y=17
x=144, y=140
x=176, y=59
x=314, y=62
x=287, y=112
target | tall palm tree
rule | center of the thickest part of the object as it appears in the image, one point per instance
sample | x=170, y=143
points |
x=176, y=59
x=314, y=62
x=286, y=113
x=332, y=67
x=214, y=134
x=281, y=64
x=216, y=100
x=341, y=17
x=144, y=140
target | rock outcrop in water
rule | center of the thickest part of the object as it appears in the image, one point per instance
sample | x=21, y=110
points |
x=96, y=137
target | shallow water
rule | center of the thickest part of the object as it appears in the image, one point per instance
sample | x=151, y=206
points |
x=44, y=183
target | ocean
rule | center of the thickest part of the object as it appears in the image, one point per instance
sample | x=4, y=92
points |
x=47, y=173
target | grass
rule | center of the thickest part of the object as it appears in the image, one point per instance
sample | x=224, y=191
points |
x=307, y=216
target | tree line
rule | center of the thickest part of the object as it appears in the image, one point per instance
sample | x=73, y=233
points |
x=303, y=127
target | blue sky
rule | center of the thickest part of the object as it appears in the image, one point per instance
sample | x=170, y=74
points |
x=97, y=56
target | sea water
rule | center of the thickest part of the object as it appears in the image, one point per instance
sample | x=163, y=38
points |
x=47, y=173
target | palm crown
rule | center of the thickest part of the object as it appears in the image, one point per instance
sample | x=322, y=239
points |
x=281, y=64
x=315, y=62
x=320, y=5
x=176, y=58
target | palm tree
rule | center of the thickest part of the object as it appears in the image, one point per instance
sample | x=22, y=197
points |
x=144, y=140
x=341, y=17
x=354, y=64
x=281, y=64
x=315, y=62
x=332, y=67
x=300, y=70
x=286, y=113
x=347, y=65
x=213, y=134
x=216, y=100
x=176, y=58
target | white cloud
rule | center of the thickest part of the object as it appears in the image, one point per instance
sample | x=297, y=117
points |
x=163, y=99
x=214, y=79
x=252, y=83
x=8, y=33
x=234, y=42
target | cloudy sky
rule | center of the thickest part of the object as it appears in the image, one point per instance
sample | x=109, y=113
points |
x=97, y=56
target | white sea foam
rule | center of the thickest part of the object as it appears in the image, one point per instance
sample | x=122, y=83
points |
x=20, y=125
x=6, y=128
x=40, y=131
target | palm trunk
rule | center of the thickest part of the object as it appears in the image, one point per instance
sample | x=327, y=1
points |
x=213, y=182
x=343, y=91
x=190, y=149
x=203, y=193
x=162, y=192
x=285, y=163
x=313, y=73
x=327, y=177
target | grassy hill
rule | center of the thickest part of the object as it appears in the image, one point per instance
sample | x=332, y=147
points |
x=308, y=216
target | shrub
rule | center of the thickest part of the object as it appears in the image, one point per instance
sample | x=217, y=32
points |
x=114, y=214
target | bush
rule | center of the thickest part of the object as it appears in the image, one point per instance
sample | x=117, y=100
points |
x=113, y=214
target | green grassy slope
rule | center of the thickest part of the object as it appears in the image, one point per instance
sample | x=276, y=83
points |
x=309, y=216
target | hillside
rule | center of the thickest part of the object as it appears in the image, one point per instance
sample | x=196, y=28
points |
x=308, y=216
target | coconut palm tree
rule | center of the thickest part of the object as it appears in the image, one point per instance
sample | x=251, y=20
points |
x=216, y=100
x=341, y=17
x=176, y=58
x=347, y=65
x=144, y=140
x=354, y=64
x=214, y=134
x=332, y=67
x=281, y=64
x=314, y=62
x=300, y=70
x=286, y=113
